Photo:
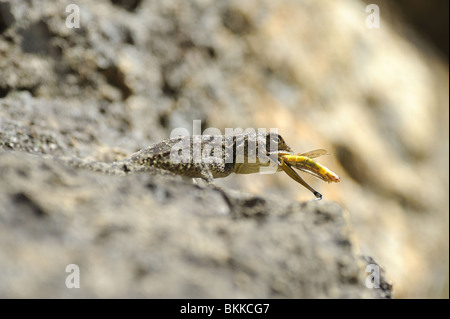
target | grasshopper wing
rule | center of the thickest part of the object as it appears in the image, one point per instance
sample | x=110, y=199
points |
x=314, y=153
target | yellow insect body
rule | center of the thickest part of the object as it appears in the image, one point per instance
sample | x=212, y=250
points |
x=310, y=166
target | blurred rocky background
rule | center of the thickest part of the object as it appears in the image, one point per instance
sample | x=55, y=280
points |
x=377, y=99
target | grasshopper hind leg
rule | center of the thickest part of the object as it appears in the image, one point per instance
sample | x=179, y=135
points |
x=292, y=174
x=318, y=195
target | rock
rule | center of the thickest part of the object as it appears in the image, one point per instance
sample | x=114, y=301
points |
x=383, y=289
x=136, y=70
x=164, y=237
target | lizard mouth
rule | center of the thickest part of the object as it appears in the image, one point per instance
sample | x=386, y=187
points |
x=276, y=156
x=280, y=154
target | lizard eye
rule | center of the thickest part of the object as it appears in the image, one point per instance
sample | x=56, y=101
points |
x=273, y=139
x=277, y=139
x=280, y=139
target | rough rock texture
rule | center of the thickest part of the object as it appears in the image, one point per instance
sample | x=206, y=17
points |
x=135, y=70
x=154, y=236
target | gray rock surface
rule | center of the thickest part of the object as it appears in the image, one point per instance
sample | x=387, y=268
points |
x=164, y=237
x=135, y=70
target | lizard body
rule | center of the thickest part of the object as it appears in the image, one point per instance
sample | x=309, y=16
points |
x=220, y=164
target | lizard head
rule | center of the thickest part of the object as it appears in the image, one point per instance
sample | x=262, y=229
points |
x=273, y=139
x=271, y=144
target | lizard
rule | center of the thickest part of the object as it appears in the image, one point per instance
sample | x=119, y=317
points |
x=216, y=156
